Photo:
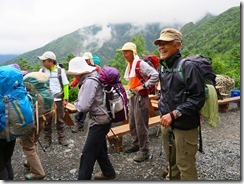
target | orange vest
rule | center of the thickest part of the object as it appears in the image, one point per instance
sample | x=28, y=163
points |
x=134, y=81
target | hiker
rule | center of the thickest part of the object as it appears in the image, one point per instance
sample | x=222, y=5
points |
x=7, y=149
x=139, y=102
x=179, y=107
x=6, y=152
x=28, y=143
x=80, y=117
x=90, y=100
x=59, y=85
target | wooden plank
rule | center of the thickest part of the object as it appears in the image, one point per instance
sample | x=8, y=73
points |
x=125, y=129
x=228, y=100
x=71, y=108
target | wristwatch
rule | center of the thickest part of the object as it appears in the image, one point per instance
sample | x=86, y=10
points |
x=178, y=113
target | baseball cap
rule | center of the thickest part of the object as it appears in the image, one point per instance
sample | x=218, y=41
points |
x=169, y=34
x=47, y=55
x=87, y=55
x=78, y=65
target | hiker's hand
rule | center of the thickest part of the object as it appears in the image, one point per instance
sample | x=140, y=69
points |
x=138, y=88
x=166, y=120
x=65, y=102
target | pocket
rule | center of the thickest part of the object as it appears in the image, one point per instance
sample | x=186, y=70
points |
x=191, y=143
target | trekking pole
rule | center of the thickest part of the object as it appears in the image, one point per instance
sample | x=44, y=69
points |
x=43, y=149
x=170, y=141
x=200, y=149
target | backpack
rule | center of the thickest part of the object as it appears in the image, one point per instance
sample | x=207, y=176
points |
x=16, y=110
x=37, y=85
x=153, y=61
x=210, y=109
x=115, y=96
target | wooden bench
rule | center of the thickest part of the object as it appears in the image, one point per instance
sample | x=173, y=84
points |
x=224, y=104
x=115, y=135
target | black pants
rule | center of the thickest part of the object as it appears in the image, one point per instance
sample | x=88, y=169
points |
x=95, y=149
x=6, y=152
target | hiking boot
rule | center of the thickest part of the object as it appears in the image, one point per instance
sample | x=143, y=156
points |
x=131, y=149
x=32, y=176
x=47, y=143
x=142, y=156
x=76, y=128
x=100, y=176
x=63, y=141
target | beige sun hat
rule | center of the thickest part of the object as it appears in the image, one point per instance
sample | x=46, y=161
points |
x=169, y=34
x=78, y=66
x=129, y=46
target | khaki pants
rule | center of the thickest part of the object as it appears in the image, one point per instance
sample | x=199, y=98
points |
x=30, y=149
x=184, y=150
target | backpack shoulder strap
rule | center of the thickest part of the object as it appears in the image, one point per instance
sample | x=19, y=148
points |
x=95, y=79
x=137, y=69
x=179, y=68
x=60, y=78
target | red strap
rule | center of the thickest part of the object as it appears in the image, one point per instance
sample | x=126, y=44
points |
x=138, y=71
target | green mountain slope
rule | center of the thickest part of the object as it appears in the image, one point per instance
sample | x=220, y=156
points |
x=215, y=35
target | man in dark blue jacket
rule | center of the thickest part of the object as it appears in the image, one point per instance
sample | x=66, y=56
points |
x=179, y=105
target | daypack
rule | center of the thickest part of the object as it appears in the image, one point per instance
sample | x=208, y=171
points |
x=16, y=110
x=115, y=96
x=153, y=61
x=37, y=85
x=210, y=109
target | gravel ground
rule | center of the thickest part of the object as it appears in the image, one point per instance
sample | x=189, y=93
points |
x=221, y=161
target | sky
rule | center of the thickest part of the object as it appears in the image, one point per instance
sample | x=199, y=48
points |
x=30, y=24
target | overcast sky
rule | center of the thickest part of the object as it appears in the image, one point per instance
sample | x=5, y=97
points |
x=30, y=24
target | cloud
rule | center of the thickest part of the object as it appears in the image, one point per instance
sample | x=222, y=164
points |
x=102, y=36
x=30, y=24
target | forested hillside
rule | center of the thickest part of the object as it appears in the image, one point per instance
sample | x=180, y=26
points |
x=217, y=37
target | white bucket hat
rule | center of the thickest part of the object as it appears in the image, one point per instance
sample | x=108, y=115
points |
x=78, y=66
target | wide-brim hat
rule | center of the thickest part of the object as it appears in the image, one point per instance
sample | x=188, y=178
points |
x=129, y=46
x=78, y=66
x=18, y=67
x=169, y=34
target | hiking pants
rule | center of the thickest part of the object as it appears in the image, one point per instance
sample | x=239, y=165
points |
x=60, y=122
x=138, y=122
x=95, y=149
x=29, y=145
x=184, y=151
x=6, y=152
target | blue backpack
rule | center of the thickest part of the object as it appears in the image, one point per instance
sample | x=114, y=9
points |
x=16, y=110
